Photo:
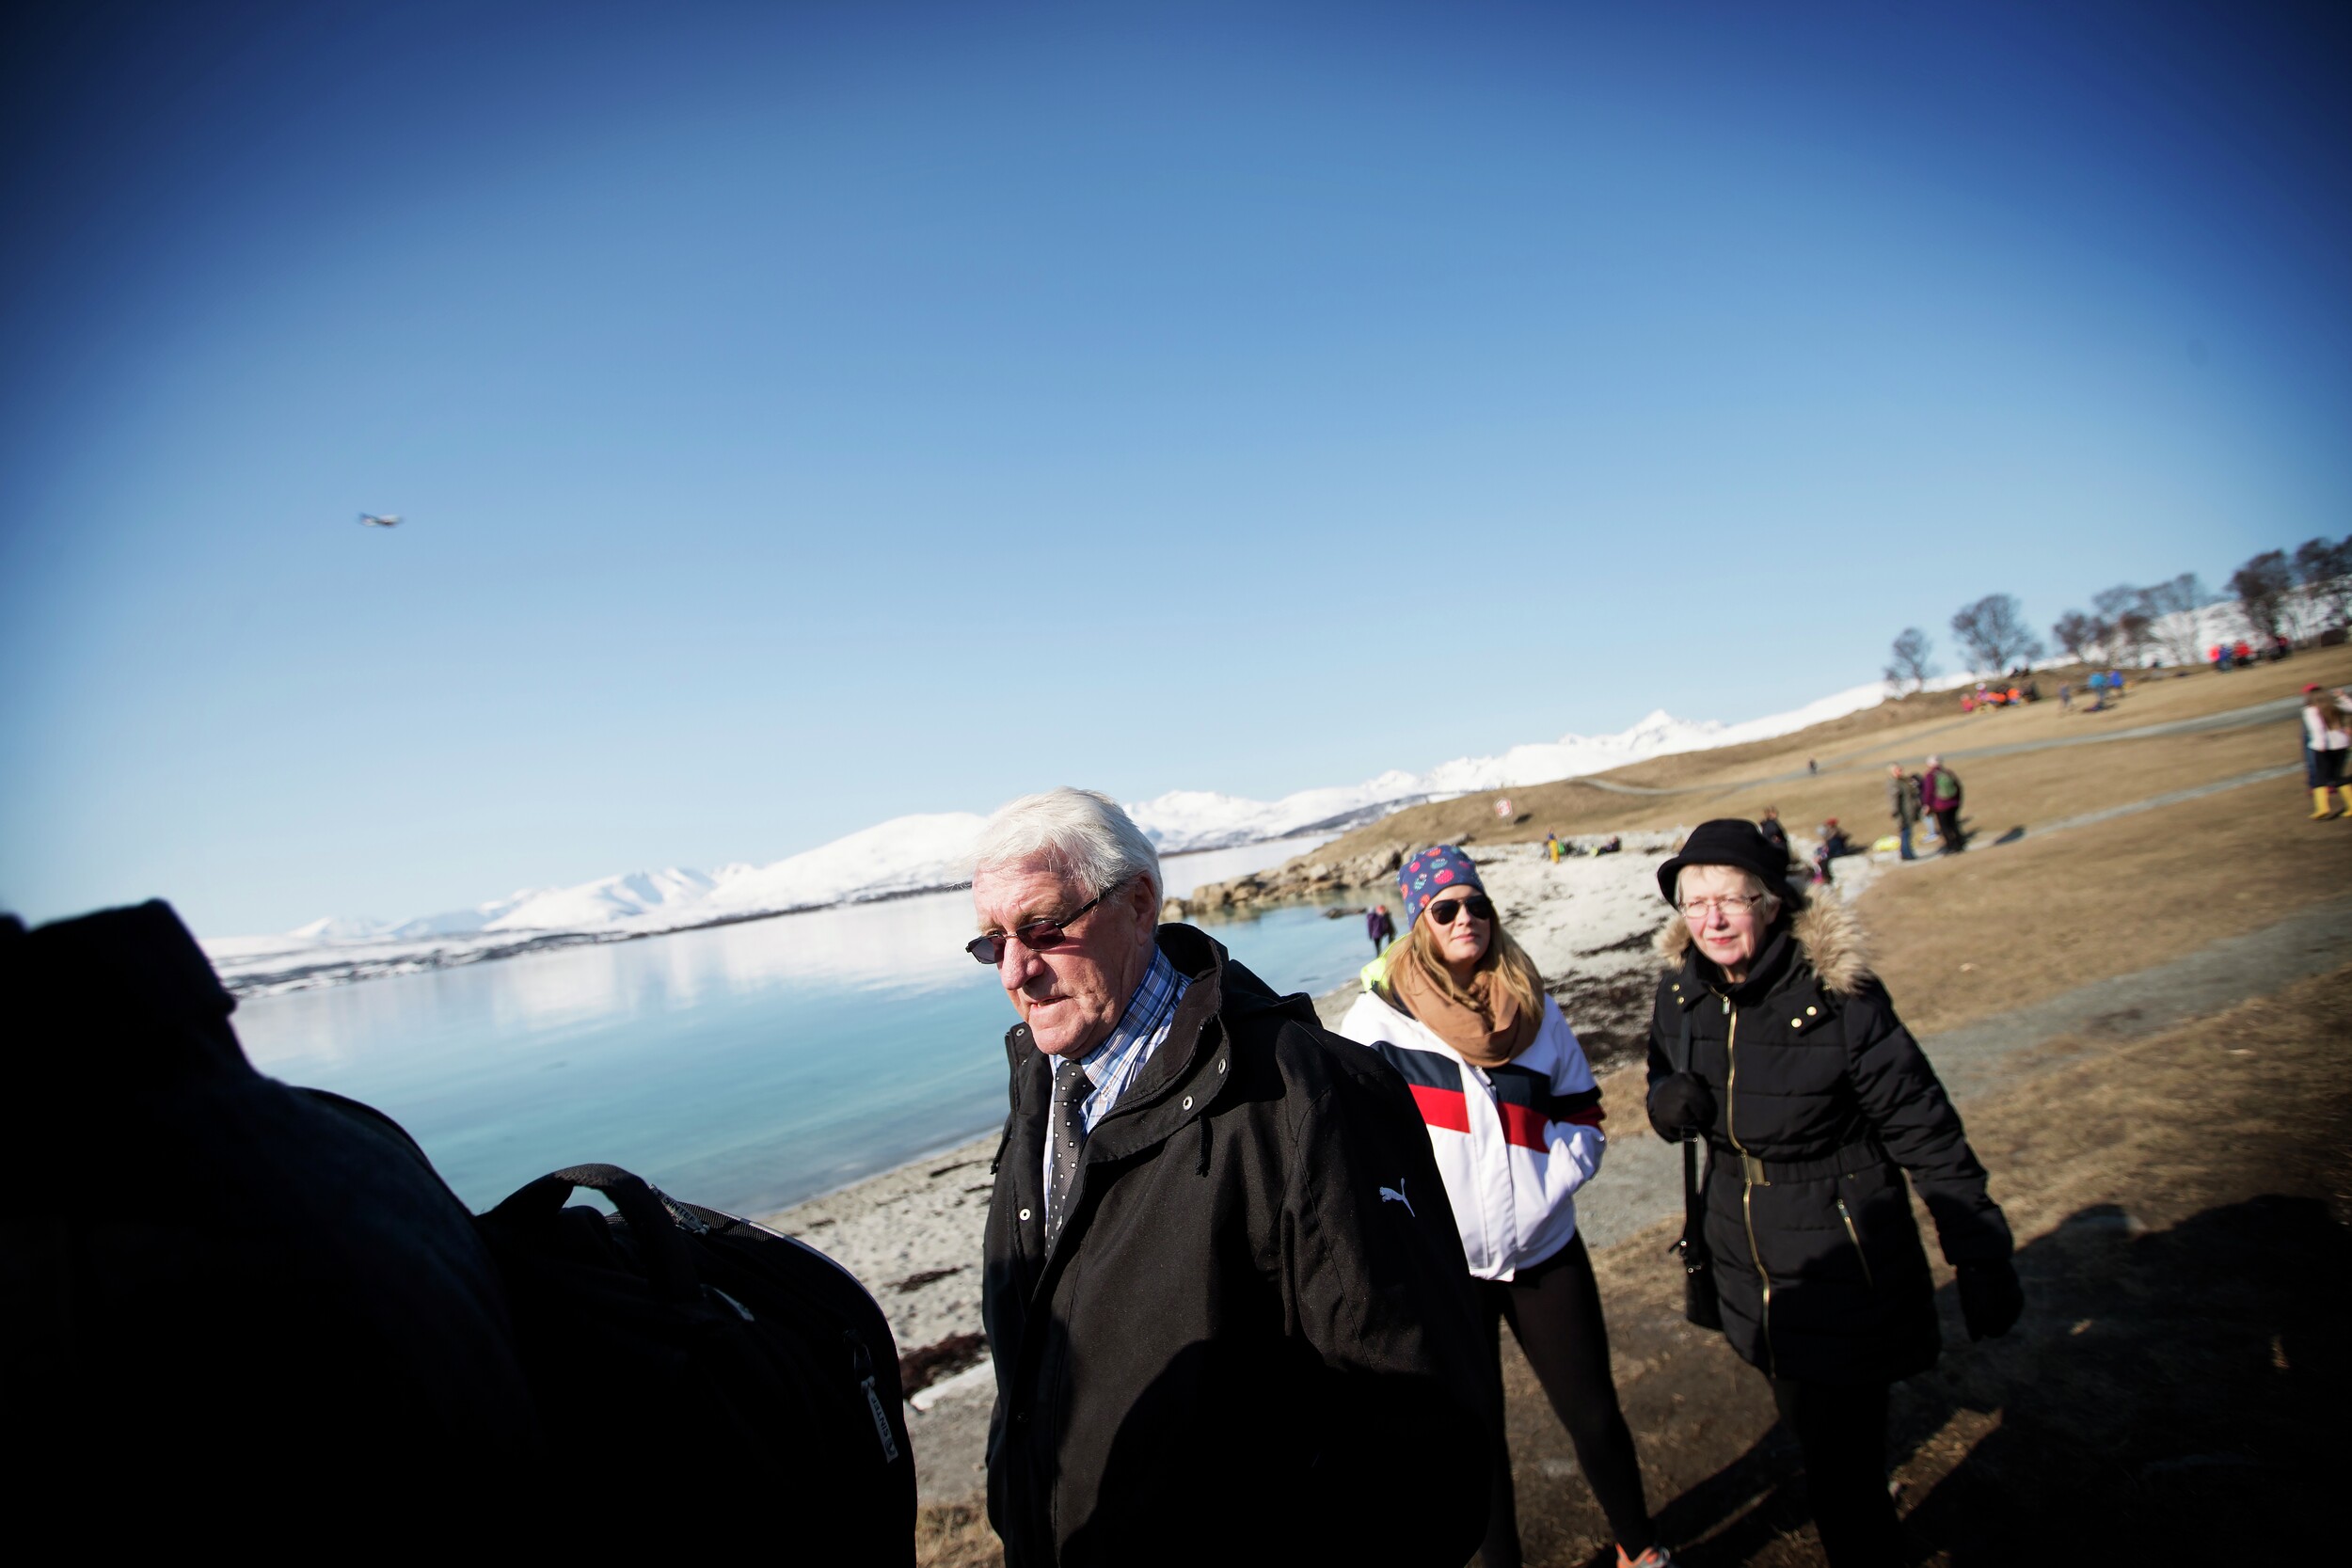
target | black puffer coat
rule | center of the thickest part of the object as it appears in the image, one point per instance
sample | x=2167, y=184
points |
x=1254, y=1340
x=1822, y=1101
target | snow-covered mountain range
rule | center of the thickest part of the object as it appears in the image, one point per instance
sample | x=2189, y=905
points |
x=910, y=854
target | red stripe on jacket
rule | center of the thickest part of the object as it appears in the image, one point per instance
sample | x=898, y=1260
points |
x=1445, y=1108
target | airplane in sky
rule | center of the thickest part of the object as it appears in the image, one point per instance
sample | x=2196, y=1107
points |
x=368, y=520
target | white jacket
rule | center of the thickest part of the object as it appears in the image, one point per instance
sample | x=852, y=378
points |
x=1514, y=1143
x=2319, y=735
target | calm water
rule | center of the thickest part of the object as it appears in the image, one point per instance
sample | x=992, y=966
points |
x=745, y=1067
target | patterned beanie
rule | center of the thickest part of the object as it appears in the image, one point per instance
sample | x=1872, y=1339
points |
x=1431, y=874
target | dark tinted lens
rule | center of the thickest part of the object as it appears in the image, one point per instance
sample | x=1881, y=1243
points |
x=1444, y=909
x=986, y=950
x=1045, y=933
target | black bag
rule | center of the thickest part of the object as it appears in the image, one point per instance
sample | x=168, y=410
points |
x=223, y=1296
x=1699, y=1302
x=728, y=1356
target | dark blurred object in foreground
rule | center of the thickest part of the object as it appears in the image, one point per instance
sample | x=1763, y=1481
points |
x=213, y=1283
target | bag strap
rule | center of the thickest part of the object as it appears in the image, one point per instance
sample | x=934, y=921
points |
x=658, y=1225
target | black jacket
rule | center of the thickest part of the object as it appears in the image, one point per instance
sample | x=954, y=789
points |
x=1254, y=1338
x=1822, y=1101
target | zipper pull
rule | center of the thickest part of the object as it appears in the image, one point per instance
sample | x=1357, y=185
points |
x=862, y=1365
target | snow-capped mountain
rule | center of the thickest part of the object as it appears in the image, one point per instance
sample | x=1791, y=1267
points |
x=909, y=854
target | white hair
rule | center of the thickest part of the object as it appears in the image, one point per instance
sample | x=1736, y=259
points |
x=1082, y=833
x=1772, y=898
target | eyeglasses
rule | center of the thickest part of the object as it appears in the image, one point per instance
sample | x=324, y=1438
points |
x=1444, y=909
x=1037, y=936
x=1699, y=908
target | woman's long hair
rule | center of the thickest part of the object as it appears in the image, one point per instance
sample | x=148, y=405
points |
x=1514, y=972
x=2323, y=703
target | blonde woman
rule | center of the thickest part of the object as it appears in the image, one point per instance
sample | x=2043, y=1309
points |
x=1514, y=1117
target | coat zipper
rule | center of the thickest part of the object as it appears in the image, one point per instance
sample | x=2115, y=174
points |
x=1747, y=1174
x=1855, y=1236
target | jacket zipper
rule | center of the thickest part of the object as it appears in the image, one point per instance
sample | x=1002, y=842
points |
x=1855, y=1236
x=1747, y=1175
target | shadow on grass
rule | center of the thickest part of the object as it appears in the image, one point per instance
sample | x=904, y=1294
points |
x=2170, y=1396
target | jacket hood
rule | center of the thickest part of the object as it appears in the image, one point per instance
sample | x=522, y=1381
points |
x=1825, y=931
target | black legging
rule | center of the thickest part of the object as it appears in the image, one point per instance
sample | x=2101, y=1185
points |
x=1841, y=1428
x=1554, y=1311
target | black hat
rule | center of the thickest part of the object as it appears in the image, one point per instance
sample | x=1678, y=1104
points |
x=1731, y=841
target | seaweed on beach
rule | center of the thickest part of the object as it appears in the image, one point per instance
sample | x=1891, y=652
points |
x=925, y=1364
x=1609, y=1014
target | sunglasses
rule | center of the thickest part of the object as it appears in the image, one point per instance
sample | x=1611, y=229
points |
x=1444, y=909
x=1037, y=936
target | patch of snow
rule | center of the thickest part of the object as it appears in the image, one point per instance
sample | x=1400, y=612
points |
x=921, y=852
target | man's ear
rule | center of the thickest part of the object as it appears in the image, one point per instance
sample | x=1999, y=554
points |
x=1145, y=900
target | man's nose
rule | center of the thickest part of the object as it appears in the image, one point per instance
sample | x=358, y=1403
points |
x=1017, y=965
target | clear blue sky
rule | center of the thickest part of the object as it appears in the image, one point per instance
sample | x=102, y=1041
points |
x=807, y=414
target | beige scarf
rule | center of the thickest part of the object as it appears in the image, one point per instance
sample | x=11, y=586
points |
x=1487, y=1031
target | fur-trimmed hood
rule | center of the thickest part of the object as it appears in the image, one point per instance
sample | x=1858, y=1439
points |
x=1825, y=930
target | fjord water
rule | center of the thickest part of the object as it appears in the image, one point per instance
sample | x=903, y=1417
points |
x=743, y=1067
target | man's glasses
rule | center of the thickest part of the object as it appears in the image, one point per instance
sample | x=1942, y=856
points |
x=1444, y=909
x=1699, y=908
x=1037, y=936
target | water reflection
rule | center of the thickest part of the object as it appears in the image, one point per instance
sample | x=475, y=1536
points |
x=744, y=1065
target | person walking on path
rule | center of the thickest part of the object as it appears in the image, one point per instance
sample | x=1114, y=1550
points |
x=1939, y=788
x=1773, y=1043
x=1225, y=1296
x=1461, y=1013
x=1379, y=927
x=2326, y=739
x=1902, y=803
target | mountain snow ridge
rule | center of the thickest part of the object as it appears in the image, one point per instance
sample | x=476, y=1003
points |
x=927, y=850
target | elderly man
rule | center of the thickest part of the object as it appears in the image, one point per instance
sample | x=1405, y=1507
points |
x=1224, y=1291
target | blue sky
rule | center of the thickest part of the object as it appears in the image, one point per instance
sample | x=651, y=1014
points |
x=809, y=414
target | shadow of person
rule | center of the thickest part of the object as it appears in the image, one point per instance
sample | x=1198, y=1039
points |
x=2169, y=1394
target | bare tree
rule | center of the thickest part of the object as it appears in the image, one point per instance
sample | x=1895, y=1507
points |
x=2079, y=634
x=2262, y=586
x=2122, y=614
x=1910, y=661
x=2171, y=609
x=2324, y=571
x=1994, y=631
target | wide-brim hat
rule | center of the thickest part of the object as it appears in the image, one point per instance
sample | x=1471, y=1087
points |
x=1730, y=841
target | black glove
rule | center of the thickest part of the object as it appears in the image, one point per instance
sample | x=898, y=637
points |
x=1681, y=1106
x=1990, y=1298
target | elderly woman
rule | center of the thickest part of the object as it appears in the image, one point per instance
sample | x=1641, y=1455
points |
x=1771, y=1041
x=1514, y=1117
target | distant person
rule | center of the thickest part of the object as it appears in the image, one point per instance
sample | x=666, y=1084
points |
x=1379, y=927
x=1225, y=1296
x=1820, y=1279
x=1939, y=788
x=1610, y=845
x=2325, y=743
x=2066, y=696
x=1460, y=1011
x=1902, y=803
x=1812, y=766
x=1775, y=835
x=1553, y=848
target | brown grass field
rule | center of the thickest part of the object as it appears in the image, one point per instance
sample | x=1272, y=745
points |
x=2181, y=1202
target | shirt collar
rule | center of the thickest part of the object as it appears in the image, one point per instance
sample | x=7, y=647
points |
x=1149, y=1011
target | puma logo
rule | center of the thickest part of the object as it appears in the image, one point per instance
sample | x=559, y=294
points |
x=1396, y=1195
